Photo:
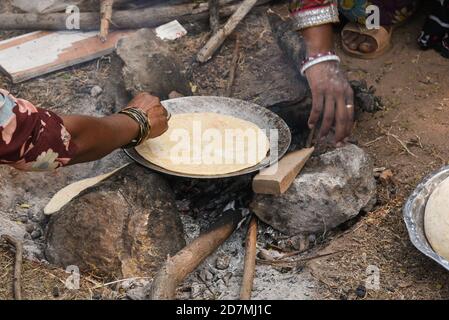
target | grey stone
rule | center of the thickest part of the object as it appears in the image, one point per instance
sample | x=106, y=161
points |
x=125, y=226
x=36, y=234
x=23, y=219
x=223, y=262
x=136, y=294
x=330, y=190
x=197, y=289
x=11, y=229
x=95, y=91
x=31, y=251
x=226, y=278
x=136, y=289
x=311, y=238
x=150, y=65
x=206, y=275
x=29, y=227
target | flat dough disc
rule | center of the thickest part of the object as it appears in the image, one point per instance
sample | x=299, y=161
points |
x=207, y=144
x=68, y=193
x=436, y=219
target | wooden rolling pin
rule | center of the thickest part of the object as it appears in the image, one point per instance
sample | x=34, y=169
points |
x=276, y=179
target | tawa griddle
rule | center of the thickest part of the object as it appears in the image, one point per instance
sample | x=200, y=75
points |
x=244, y=110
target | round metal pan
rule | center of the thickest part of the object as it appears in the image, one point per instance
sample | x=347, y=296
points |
x=414, y=210
x=254, y=113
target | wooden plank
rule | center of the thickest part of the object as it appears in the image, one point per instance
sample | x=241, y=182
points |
x=39, y=53
x=276, y=179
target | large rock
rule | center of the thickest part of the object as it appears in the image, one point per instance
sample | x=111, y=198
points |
x=150, y=66
x=124, y=226
x=329, y=191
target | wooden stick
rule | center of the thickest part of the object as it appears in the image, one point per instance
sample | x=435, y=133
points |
x=178, y=267
x=250, y=261
x=233, y=69
x=149, y=17
x=218, y=38
x=214, y=15
x=106, y=17
x=282, y=261
x=310, y=137
x=18, y=245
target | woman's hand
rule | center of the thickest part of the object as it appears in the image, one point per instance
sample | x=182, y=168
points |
x=157, y=115
x=331, y=92
x=333, y=97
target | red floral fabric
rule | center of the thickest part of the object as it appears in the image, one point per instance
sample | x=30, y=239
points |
x=31, y=138
x=297, y=5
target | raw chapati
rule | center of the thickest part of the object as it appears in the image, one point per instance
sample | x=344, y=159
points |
x=207, y=144
x=68, y=193
x=436, y=219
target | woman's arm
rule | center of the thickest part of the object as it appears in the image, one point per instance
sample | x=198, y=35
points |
x=97, y=137
x=331, y=92
x=35, y=139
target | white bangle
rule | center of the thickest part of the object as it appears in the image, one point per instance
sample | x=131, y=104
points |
x=307, y=65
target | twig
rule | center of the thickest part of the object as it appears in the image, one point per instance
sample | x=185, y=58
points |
x=233, y=69
x=218, y=38
x=291, y=254
x=282, y=261
x=106, y=17
x=178, y=267
x=402, y=144
x=277, y=248
x=17, y=285
x=373, y=141
x=214, y=15
x=389, y=134
x=118, y=281
x=250, y=261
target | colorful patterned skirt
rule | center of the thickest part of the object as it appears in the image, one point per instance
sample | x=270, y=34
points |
x=391, y=11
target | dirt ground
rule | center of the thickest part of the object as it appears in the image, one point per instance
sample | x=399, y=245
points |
x=414, y=86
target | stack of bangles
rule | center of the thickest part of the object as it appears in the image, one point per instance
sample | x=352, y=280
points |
x=144, y=124
x=318, y=58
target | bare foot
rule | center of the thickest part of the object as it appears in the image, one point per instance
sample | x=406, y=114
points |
x=359, y=42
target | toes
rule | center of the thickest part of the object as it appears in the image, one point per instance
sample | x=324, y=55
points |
x=357, y=41
x=349, y=36
x=368, y=46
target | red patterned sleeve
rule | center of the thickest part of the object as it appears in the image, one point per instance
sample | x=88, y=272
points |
x=31, y=138
x=310, y=13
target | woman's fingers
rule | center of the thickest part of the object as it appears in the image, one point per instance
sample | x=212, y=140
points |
x=317, y=108
x=328, y=117
x=156, y=113
x=159, y=125
x=341, y=120
x=349, y=98
x=157, y=116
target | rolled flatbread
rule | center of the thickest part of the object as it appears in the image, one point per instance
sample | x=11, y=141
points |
x=207, y=144
x=436, y=219
x=68, y=193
